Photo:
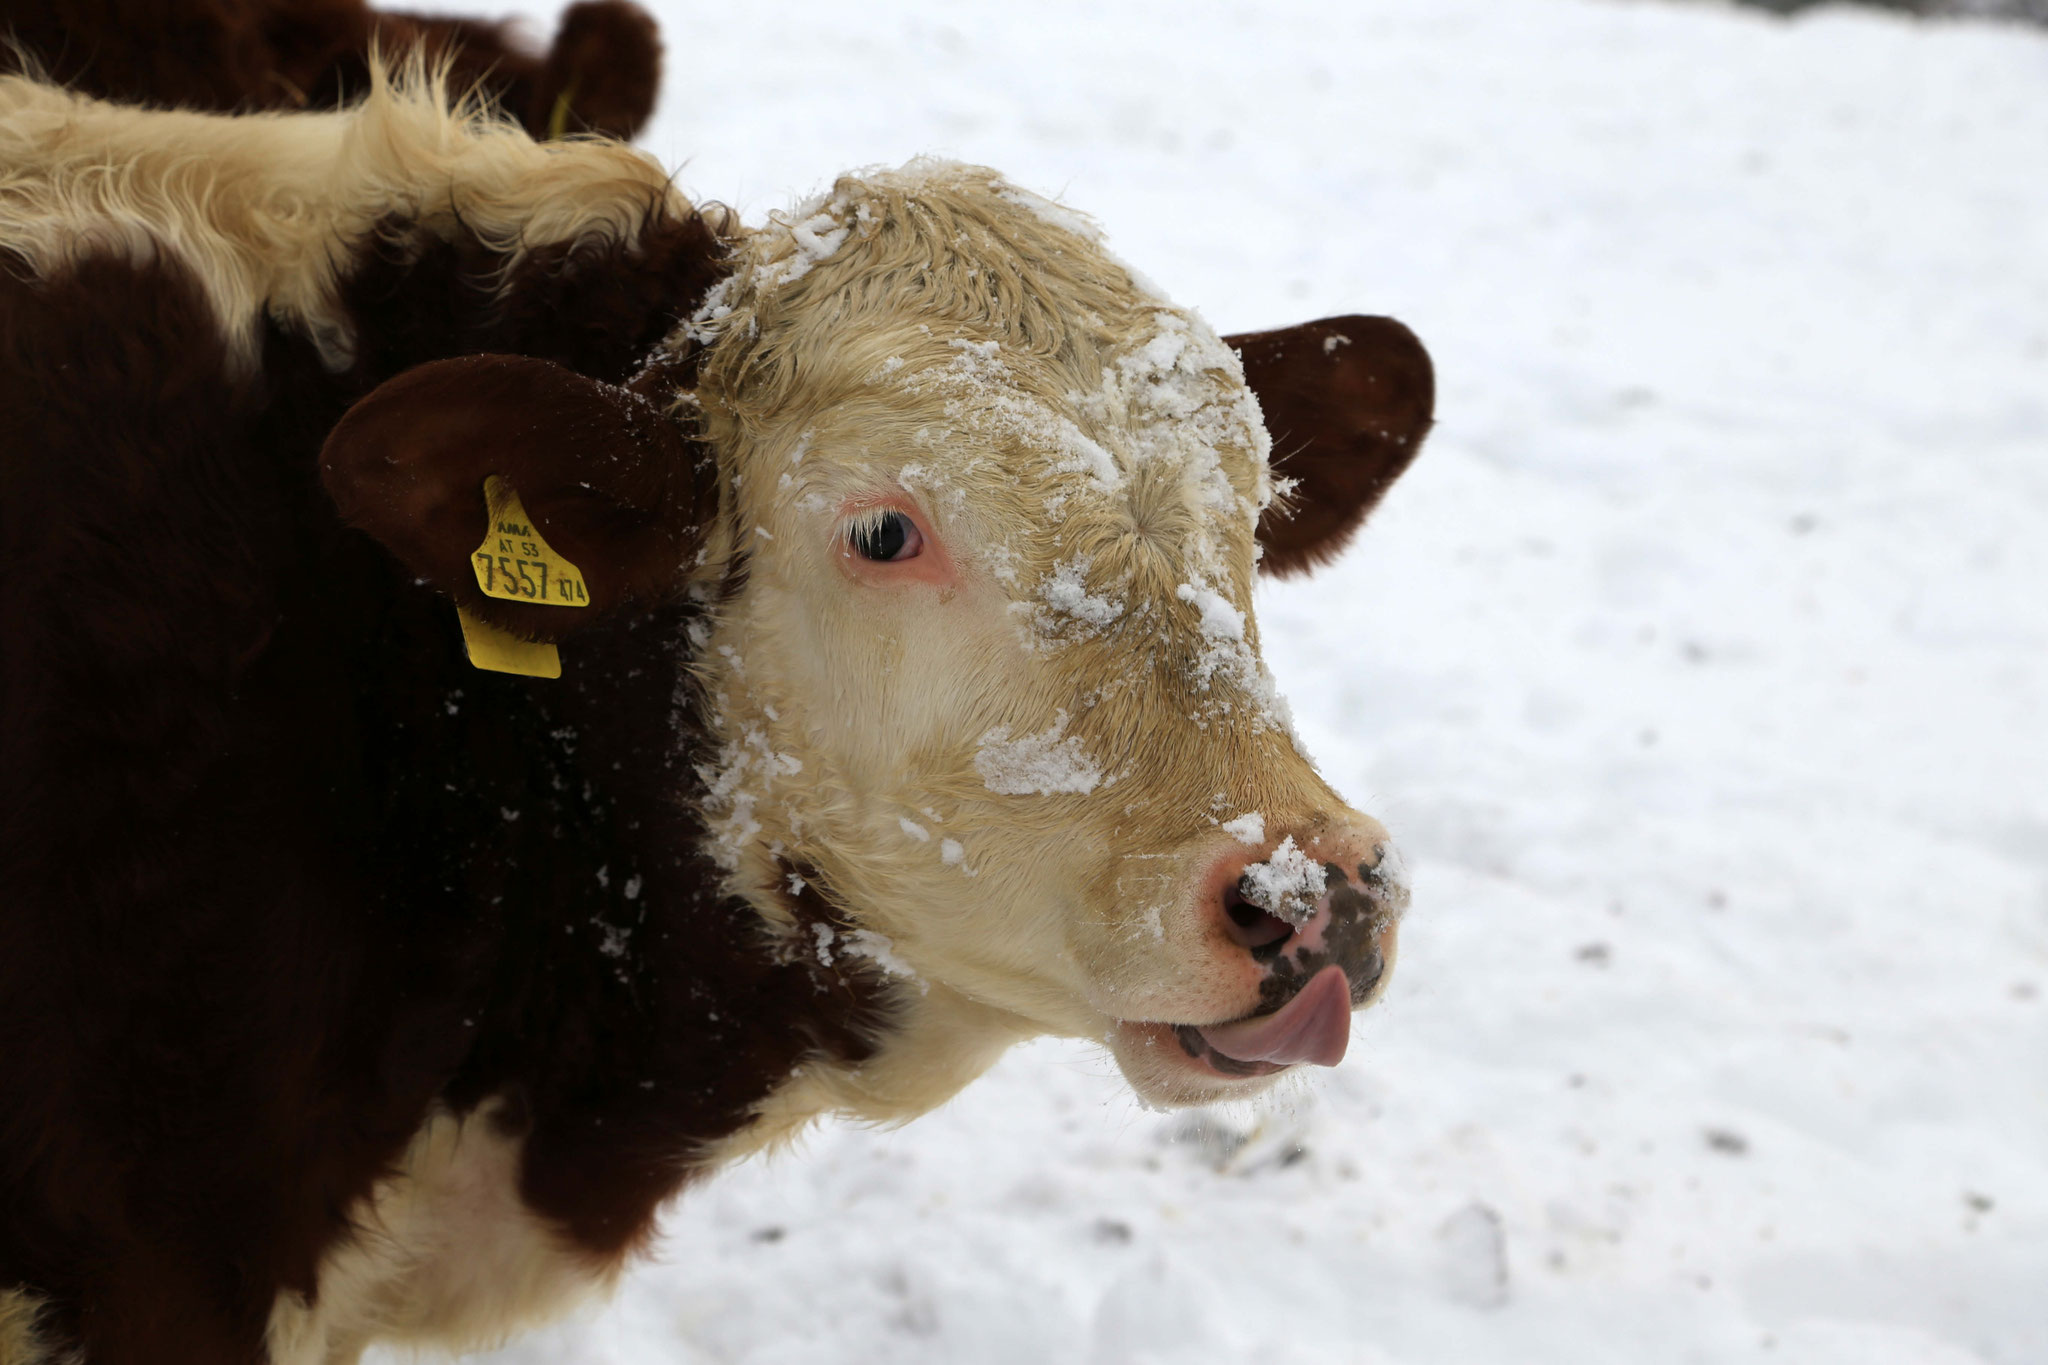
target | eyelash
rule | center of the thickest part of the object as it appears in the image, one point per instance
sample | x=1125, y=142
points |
x=884, y=535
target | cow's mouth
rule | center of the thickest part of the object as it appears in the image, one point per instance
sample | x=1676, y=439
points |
x=1201, y=1051
x=1313, y=1027
x=1311, y=968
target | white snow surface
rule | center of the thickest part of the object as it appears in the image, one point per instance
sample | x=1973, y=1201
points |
x=1249, y=828
x=1067, y=600
x=1220, y=621
x=1699, y=668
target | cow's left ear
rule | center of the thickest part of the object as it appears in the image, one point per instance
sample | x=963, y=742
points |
x=1347, y=401
x=611, y=483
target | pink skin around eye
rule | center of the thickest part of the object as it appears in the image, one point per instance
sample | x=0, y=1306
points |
x=931, y=564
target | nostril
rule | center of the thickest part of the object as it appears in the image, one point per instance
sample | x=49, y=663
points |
x=1264, y=934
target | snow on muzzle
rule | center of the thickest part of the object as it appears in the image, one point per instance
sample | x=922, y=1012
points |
x=1320, y=931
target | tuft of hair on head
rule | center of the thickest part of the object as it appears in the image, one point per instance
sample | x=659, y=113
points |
x=22, y=1339
x=953, y=246
x=414, y=75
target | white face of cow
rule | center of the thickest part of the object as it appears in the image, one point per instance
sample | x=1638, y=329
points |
x=992, y=678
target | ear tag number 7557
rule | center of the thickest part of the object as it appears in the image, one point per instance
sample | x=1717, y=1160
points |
x=515, y=564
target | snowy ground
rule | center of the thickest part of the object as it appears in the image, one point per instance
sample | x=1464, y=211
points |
x=1701, y=666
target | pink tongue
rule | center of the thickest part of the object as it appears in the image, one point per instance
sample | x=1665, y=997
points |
x=1315, y=1026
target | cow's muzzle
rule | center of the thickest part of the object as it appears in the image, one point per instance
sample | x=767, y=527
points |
x=1321, y=934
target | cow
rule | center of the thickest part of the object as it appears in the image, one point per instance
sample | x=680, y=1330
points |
x=517, y=690
x=600, y=75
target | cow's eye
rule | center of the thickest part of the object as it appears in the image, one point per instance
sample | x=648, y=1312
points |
x=887, y=537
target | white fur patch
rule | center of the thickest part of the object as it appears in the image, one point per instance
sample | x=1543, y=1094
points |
x=445, y=1255
x=21, y=1341
x=266, y=209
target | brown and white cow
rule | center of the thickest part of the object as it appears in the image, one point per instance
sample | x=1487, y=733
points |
x=909, y=700
x=601, y=74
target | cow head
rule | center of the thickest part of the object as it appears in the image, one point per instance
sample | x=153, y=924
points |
x=984, y=513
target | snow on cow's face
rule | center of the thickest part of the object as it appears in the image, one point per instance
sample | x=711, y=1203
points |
x=993, y=676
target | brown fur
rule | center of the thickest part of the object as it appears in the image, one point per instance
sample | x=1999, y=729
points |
x=1348, y=401
x=406, y=462
x=226, y=725
x=230, y=733
x=601, y=74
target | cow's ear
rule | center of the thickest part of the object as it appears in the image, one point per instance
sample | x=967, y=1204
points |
x=603, y=73
x=610, y=482
x=1347, y=401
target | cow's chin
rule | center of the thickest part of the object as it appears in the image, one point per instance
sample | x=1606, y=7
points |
x=1165, y=1071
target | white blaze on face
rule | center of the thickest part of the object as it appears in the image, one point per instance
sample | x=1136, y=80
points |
x=1038, y=697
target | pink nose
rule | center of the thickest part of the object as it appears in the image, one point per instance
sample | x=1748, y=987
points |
x=1318, y=928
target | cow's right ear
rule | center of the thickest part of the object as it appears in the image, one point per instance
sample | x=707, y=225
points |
x=1348, y=401
x=612, y=484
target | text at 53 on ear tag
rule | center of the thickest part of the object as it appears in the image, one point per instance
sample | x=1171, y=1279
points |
x=515, y=564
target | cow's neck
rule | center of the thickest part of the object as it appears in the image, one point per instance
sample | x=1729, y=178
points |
x=928, y=1041
x=617, y=1000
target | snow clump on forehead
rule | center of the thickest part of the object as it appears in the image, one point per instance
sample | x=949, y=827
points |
x=948, y=245
x=973, y=259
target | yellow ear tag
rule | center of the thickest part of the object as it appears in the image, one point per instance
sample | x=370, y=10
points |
x=501, y=651
x=558, y=117
x=515, y=564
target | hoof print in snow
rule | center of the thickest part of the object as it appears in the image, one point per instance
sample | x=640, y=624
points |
x=1206, y=1138
x=1113, y=1232
x=1727, y=1142
x=1275, y=1142
x=1474, y=1269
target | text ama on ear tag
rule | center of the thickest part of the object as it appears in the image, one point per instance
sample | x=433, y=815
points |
x=515, y=564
